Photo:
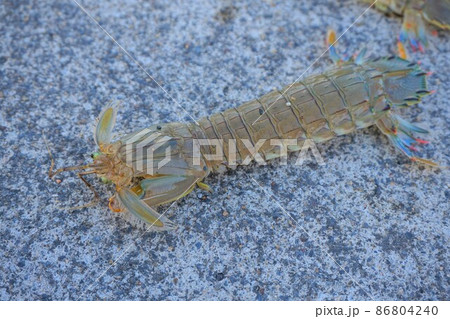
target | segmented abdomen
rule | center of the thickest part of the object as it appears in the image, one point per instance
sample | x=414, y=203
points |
x=318, y=108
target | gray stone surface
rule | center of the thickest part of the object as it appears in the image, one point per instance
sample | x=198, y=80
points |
x=368, y=224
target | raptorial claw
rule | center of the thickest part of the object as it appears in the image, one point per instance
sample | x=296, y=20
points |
x=103, y=129
x=141, y=210
x=167, y=188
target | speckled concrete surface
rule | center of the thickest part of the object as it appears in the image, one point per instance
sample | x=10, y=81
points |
x=368, y=224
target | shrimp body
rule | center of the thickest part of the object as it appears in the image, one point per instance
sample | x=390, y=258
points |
x=164, y=162
x=319, y=108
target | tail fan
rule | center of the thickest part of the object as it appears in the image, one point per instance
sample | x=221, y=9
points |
x=405, y=84
x=401, y=133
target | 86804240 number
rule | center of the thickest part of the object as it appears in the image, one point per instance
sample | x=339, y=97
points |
x=405, y=310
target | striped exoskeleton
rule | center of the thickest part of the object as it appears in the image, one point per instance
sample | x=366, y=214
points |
x=164, y=162
x=415, y=15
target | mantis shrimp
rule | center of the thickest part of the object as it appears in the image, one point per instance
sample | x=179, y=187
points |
x=415, y=13
x=164, y=162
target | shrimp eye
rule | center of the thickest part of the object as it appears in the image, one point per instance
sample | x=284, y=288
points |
x=95, y=155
